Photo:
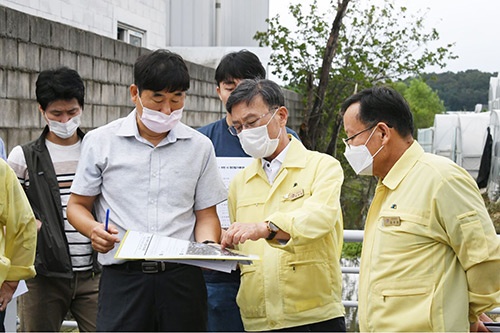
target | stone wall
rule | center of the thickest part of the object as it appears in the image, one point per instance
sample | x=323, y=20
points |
x=29, y=44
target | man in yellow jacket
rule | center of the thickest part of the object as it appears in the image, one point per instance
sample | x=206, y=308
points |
x=431, y=257
x=285, y=208
x=17, y=237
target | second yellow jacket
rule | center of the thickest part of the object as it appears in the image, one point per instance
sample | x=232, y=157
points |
x=299, y=282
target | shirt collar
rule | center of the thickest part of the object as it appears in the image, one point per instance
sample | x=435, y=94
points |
x=279, y=159
x=403, y=165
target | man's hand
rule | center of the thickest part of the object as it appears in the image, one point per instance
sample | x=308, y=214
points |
x=239, y=233
x=38, y=224
x=479, y=326
x=6, y=291
x=104, y=241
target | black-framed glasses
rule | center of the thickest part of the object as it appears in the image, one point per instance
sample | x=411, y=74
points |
x=235, y=130
x=346, y=140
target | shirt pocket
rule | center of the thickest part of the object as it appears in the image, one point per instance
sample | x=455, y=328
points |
x=307, y=282
x=181, y=190
x=294, y=198
x=408, y=302
x=404, y=243
x=400, y=230
x=473, y=234
x=250, y=208
x=250, y=297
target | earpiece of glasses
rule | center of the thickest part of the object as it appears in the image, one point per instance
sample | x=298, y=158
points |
x=235, y=130
x=346, y=140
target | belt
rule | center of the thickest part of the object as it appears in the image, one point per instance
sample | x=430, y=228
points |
x=146, y=266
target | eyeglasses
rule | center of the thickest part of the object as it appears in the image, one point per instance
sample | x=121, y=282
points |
x=346, y=140
x=235, y=130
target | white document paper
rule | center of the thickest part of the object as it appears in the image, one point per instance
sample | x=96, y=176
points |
x=21, y=289
x=216, y=265
x=229, y=167
x=143, y=245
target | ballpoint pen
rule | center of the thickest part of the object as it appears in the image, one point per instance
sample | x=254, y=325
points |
x=107, y=220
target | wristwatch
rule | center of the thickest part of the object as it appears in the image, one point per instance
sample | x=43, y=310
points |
x=273, y=230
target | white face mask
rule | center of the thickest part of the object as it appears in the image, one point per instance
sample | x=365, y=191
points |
x=360, y=158
x=157, y=121
x=64, y=130
x=256, y=141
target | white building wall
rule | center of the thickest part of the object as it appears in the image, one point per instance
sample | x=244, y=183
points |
x=197, y=21
x=241, y=20
x=195, y=29
x=177, y=23
x=102, y=16
x=192, y=23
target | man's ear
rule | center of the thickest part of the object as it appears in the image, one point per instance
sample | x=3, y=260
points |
x=218, y=92
x=386, y=132
x=133, y=92
x=282, y=113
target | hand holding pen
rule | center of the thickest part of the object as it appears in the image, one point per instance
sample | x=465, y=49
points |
x=104, y=237
x=106, y=223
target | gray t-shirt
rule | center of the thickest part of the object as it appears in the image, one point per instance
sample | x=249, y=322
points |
x=147, y=188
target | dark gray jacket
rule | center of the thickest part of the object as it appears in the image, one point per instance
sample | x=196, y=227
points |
x=52, y=251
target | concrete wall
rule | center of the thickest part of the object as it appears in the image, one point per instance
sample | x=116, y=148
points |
x=29, y=44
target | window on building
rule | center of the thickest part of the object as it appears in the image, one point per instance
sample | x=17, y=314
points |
x=130, y=35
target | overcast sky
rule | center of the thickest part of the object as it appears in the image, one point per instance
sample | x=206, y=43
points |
x=473, y=25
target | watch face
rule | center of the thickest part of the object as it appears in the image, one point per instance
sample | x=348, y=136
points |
x=272, y=227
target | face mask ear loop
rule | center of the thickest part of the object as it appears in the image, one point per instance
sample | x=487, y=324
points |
x=369, y=140
x=377, y=151
x=139, y=97
x=371, y=134
x=272, y=117
x=279, y=133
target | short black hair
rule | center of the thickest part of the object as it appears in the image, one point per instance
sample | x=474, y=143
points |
x=160, y=70
x=239, y=65
x=247, y=90
x=382, y=104
x=59, y=84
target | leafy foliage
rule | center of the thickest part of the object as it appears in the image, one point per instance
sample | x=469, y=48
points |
x=352, y=250
x=461, y=91
x=423, y=101
x=376, y=45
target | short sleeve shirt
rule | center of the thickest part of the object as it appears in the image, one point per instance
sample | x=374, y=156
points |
x=148, y=188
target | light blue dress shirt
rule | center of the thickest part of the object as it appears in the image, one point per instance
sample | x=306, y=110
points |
x=147, y=188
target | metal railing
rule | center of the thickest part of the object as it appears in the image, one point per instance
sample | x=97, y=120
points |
x=350, y=236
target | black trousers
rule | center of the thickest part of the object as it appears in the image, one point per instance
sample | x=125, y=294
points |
x=332, y=325
x=171, y=300
x=2, y=319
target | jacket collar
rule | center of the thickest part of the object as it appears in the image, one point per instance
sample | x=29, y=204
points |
x=295, y=158
x=403, y=166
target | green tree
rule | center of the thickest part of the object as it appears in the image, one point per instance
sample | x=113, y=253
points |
x=375, y=44
x=461, y=91
x=424, y=102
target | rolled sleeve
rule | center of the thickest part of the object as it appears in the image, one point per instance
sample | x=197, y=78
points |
x=474, y=240
x=17, y=217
